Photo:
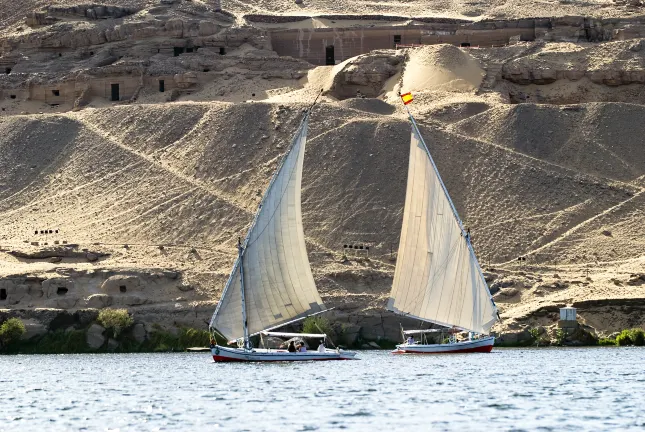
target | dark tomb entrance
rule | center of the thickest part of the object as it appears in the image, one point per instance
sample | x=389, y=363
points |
x=115, y=92
x=162, y=86
x=329, y=55
x=3, y=294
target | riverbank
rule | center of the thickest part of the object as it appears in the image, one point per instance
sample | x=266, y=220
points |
x=117, y=331
x=91, y=331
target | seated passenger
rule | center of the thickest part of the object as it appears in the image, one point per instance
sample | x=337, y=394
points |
x=303, y=348
x=321, y=347
x=410, y=340
x=292, y=347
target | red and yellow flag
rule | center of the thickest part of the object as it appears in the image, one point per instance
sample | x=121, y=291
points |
x=407, y=98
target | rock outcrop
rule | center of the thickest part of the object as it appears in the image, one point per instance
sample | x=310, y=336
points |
x=365, y=75
x=95, y=337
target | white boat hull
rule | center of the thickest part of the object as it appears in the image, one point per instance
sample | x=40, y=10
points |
x=225, y=354
x=482, y=345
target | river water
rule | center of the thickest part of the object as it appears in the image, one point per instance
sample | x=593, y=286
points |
x=508, y=389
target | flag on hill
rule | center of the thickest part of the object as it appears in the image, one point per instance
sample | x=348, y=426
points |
x=407, y=98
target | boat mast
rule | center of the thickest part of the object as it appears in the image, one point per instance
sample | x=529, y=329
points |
x=245, y=323
x=465, y=234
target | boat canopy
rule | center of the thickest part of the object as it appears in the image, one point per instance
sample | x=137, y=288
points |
x=413, y=332
x=291, y=335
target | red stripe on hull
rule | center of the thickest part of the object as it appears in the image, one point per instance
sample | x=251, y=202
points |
x=483, y=349
x=224, y=359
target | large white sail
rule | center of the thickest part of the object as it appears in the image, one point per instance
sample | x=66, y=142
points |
x=278, y=284
x=437, y=276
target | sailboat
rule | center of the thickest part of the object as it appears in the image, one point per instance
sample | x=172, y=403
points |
x=271, y=284
x=437, y=278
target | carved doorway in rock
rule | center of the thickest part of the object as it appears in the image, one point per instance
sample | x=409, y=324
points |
x=329, y=55
x=115, y=92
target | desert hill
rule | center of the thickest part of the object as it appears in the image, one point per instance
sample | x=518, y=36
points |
x=186, y=177
x=138, y=200
x=13, y=12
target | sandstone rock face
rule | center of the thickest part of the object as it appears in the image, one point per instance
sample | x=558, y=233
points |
x=16, y=292
x=121, y=284
x=626, y=66
x=94, y=336
x=506, y=293
x=366, y=74
x=62, y=303
x=61, y=293
x=186, y=80
x=33, y=329
x=139, y=332
x=112, y=344
x=98, y=301
x=132, y=300
x=185, y=287
x=581, y=336
x=58, y=287
x=514, y=337
x=636, y=279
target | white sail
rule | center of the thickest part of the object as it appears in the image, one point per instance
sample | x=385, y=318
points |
x=278, y=283
x=437, y=276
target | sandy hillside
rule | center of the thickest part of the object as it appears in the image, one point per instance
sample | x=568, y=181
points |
x=12, y=12
x=538, y=144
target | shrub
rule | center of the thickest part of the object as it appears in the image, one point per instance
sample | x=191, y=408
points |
x=607, y=342
x=160, y=340
x=11, y=331
x=624, y=338
x=115, y=319
x=59, y=342
x=190, y=337
x=637, y=336
x=535, y=335
x=560, y=335
x=317, y=324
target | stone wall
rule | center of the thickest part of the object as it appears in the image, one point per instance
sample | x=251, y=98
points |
x=312, y=44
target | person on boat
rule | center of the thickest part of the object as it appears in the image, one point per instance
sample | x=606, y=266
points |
x=410, y=340
x=303, y=348
x=292, y=347
x=321, y=347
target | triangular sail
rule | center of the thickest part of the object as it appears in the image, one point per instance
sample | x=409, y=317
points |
x=437, y=276
x=278, y=284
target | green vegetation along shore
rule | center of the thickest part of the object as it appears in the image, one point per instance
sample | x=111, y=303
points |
x=113, y=330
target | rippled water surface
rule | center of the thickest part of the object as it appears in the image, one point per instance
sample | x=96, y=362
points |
x=508, y=389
